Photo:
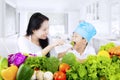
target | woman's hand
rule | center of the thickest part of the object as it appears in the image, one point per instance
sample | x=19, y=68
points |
x=58, y=42
x=51, y=46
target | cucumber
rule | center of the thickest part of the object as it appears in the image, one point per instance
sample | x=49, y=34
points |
x=3, y=65
x=1, y=78
x=24, y=72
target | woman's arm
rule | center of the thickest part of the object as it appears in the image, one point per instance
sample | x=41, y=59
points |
x=51, y=46
x=47, y=49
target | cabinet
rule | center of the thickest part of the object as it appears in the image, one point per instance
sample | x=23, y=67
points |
x=8, y=19
x=97, y=13
x=115, y=17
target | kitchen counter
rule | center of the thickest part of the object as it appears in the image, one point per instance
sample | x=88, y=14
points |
x=98, y=41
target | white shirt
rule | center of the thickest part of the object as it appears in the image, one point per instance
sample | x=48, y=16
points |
x=89, y=50
x=26, y=46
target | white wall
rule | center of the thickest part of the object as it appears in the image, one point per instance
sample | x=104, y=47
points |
x=13, y=3
x=23, y=22
x=73, y=20
x=2, y=7
x=54, y=5
x=0, y=15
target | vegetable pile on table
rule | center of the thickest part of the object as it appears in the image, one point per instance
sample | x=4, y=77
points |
x=104, y=66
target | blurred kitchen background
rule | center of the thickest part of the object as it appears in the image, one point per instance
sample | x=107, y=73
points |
x=64, y=16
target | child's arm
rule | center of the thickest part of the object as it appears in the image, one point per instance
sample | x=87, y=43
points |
x=81, y=60
x=60, y=55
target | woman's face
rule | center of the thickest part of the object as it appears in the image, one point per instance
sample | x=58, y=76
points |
x=43, y=31
x=78, y=40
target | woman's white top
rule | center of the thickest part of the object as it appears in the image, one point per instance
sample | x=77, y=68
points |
x=89, y=50
x=26, y=46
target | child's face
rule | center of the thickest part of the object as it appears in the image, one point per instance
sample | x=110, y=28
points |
x=76, y=37
x=78, y=40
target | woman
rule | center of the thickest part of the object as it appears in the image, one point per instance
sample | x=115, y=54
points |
x=36, y=40
x=82, y=35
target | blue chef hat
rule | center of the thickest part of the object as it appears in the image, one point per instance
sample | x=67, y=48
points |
x=86, y=30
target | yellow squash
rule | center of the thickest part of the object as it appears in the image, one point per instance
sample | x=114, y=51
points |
x=9, y=73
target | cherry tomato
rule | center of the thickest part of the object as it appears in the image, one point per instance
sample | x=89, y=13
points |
x=59, y=76
x=64, y=67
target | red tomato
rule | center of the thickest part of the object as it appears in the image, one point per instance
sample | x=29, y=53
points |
x=64, y=67
x=59, y=76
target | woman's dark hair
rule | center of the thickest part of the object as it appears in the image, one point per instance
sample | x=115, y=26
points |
x=34, y=24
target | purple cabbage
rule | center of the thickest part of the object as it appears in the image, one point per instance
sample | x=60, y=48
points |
x=16, y=59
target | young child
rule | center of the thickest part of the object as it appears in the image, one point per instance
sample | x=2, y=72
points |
x=81, y=38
